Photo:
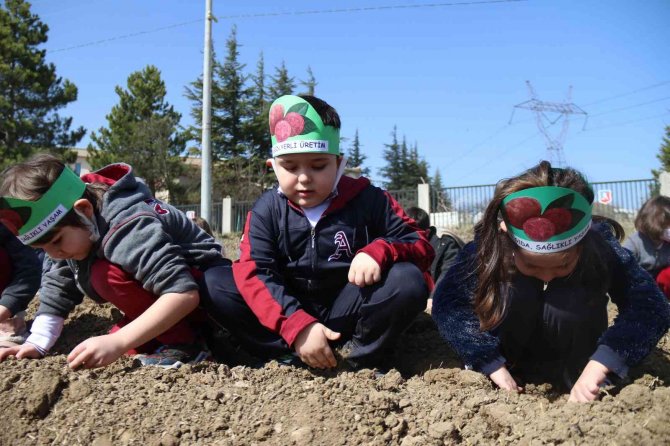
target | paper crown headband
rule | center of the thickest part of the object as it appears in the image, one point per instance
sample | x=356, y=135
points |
x=30, y=220
x=546, y=219
x=295, y=127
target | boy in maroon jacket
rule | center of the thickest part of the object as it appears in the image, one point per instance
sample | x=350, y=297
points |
x=326, y=260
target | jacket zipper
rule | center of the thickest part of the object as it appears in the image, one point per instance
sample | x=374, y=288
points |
x=313, y=258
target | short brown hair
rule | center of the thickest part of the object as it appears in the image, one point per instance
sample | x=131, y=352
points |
x=202, y=224
x=31, y=179
x=654, y=217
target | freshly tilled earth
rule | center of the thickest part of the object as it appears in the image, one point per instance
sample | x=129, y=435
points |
x=427, y=400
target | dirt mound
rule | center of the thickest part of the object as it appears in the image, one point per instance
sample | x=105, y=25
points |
x=428, y=400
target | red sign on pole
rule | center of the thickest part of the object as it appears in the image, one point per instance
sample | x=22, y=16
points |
x=605, y=196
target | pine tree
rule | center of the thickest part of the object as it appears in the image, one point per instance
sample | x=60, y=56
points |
x=664, y=154
x=282, y=83
x=143, y=132
x=356, y=157
x=392, y=172
x=405, y=165
x=257, y=128
x=440, y=192
x=232, y=108
x=310, y=83
x=418, y=168
x=414, y=170
x=32, y=93
x=664, y=157
x=230, y=104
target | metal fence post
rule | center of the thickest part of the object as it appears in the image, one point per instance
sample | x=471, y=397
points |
x=227, y=216
x=664, y=178
x=423, y=198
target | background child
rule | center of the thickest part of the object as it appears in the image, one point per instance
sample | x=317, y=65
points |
x=20, y=273
x=531, y=291
x=324, y=258
x=109, y=238
x=651, y=243
x=447, y=246
x=204, y=225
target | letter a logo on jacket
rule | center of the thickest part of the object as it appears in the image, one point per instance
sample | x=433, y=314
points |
x=342, y=246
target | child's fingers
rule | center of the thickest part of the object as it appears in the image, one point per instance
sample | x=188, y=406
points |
x=313, y=361
x=75, y=351
x=26, y=351
x=7, y=352
x=330, y=334
x=581, y=394
x=79, y=358
x=330, y=357
x=353, y=274
x=359, y=279
x=377, y=275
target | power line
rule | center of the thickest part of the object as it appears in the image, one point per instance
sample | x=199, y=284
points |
x=631, y=106
x=369, y=8
x=628, y=93
x=498, y=157
x=479, y=144
x=126, y=36
x=289, y=13
x=620, y=124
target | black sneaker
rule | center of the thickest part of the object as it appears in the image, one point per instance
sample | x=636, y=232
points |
x=172, y=356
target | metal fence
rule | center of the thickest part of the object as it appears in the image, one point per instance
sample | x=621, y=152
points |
x=239, y=214
x=239, y=211
x=406, y=197
x=217, y=211
x=619, y=200
x=462, y=207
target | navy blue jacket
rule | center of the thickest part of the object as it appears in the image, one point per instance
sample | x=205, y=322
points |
x=283, y=259
x=644, y=312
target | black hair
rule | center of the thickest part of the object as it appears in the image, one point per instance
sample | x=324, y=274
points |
x=420, y=216
x=326, y=111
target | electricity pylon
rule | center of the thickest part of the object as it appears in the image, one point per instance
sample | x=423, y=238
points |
x=548, y=114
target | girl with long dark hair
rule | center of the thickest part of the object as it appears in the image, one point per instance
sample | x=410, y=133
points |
x=531, y=291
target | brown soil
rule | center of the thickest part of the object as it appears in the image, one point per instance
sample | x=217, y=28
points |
x=428, y=400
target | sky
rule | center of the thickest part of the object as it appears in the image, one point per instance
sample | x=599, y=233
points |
x=447, y=75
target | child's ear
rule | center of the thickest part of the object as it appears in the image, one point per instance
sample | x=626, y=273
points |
x=503, y=226
x=268, y=162
x=84, y=206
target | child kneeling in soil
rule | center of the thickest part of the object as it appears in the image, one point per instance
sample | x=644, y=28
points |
x=651, y=243
x=530, y=293
x=326, y=260
x=20, y=273
x=110, y=239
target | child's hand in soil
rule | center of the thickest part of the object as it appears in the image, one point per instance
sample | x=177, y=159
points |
x=587, y=386
x=25, y=351
x=12, y=326
x=504, y=380
x=98, y=351
x=364, y=270
x=312, y=346
x=4, y=314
